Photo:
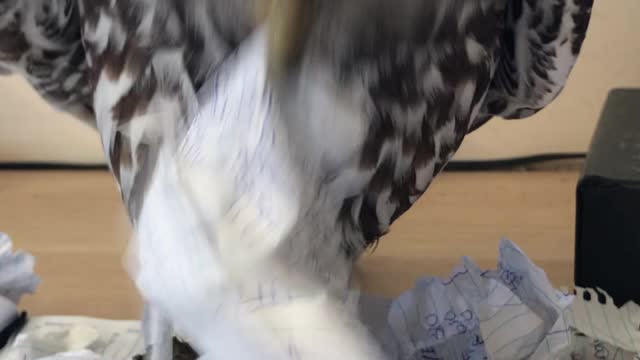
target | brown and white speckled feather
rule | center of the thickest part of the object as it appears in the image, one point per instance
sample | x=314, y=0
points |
x=427, y=74
x=148, y=58
x=539, y=48
x=40, y=40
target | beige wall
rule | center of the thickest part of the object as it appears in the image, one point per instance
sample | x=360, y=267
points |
x=31, y=131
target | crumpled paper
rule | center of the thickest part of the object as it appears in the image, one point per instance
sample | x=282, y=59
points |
x=509, y=313
x=619, y=327
x=16, y=272
x=16, y=279
x=512, y=312
x=75, y=338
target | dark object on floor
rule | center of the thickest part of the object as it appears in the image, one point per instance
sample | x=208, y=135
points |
x=14, y=327
x=181, y=351
x=608, y=202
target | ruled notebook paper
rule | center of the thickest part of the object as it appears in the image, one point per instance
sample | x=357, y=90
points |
x=512, y=312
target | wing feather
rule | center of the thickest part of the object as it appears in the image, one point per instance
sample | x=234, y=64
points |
x=540, y=46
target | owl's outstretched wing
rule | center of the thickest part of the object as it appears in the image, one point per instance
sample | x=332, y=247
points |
x=41, y=41
x=148, y=59
x=540, y=46
x=419, y=76
x=129, y=67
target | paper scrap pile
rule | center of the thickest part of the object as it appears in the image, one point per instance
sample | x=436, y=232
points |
x=509, y=313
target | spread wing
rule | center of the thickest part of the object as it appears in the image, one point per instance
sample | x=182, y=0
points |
x=420, y=75
x=540, y=46
x=129, y=67
x=40, y=40
x=426, y=73
x=148, y=59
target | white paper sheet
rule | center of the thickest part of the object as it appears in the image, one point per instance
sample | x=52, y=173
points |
x=77, y=338
x=617, y=326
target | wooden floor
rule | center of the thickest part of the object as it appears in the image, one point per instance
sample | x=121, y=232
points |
x=74, y=224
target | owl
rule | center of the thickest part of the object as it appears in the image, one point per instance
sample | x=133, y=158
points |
x=369, y=98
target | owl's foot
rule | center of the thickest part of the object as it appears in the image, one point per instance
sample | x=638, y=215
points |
x=158, y=335
x=181, y=351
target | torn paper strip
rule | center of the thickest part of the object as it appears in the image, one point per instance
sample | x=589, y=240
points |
x=605, y=321
x=586, y=348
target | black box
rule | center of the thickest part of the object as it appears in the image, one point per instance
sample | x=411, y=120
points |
x=608, y=202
